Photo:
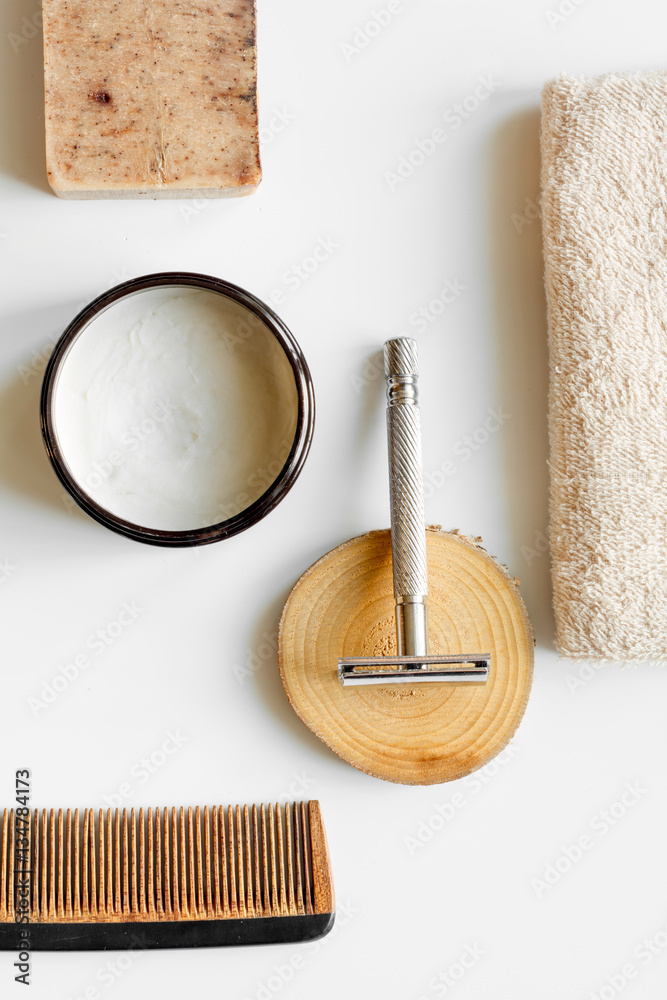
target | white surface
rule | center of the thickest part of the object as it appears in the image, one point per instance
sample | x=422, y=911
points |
x=333, y=129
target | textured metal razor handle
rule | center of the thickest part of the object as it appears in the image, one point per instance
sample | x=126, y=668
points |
x=406, y=489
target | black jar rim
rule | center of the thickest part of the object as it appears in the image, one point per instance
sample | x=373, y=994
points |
x=280, y=486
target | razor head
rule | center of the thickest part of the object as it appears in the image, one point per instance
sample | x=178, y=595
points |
x=452, y=668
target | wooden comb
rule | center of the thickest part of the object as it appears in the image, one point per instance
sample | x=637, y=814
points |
x=164, y=879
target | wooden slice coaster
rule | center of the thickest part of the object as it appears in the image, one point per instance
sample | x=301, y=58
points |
x=426, y=733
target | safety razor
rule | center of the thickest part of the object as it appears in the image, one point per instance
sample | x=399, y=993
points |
x=412, y=665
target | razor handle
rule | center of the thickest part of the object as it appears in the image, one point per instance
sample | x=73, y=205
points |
x=406, y=492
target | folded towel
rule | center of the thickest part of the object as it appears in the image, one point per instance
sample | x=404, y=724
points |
x=604, y=210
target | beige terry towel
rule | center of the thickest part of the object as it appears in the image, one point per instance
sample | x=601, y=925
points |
x=604, y=206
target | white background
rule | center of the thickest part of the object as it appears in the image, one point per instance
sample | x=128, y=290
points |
x=467, y=214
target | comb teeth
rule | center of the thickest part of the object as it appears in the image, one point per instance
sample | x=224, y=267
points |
x=167, y=866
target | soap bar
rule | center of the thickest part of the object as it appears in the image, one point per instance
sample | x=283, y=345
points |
x=151, y=98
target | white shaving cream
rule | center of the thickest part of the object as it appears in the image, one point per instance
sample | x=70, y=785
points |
x=176, y=408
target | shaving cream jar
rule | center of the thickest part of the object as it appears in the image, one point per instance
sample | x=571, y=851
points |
x=177, y=409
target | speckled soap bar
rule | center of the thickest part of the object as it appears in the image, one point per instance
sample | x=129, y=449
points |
x=151, y=98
